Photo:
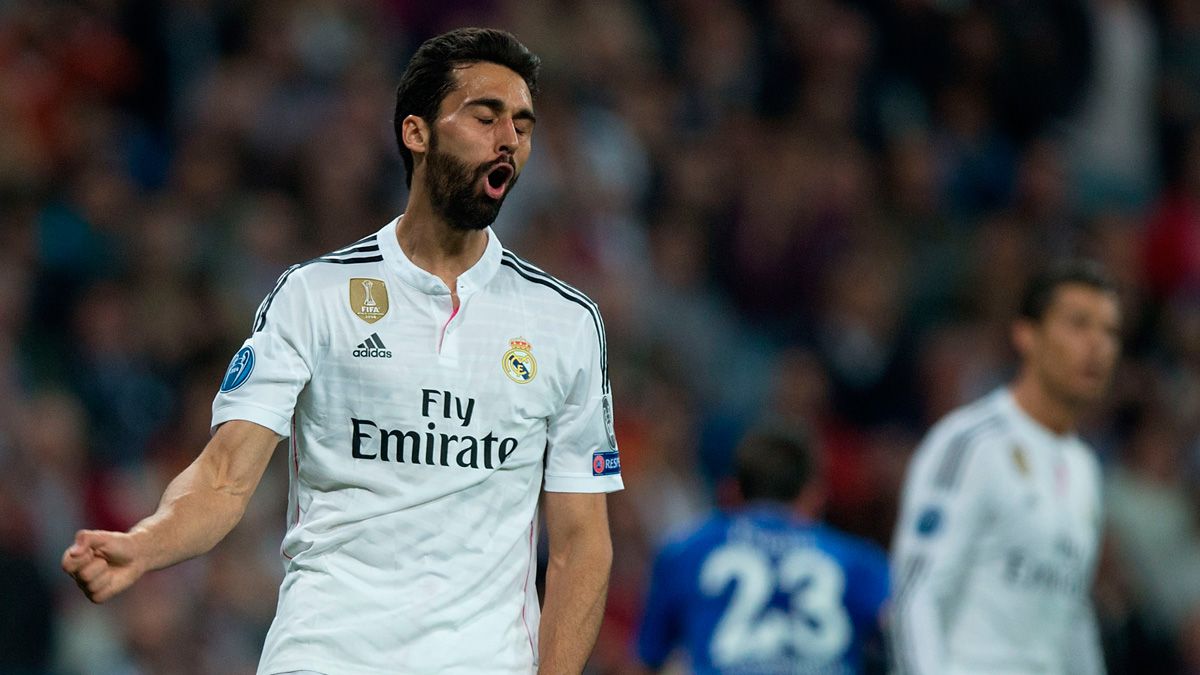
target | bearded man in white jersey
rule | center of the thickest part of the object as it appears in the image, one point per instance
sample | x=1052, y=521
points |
x=437, y=391
x=1000, y=523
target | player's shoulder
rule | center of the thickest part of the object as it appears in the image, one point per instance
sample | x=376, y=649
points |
x=955, y=442
x=1084, y=455
x=529, y=280
x=978, y=421
x=362, y=257
x=299, y=283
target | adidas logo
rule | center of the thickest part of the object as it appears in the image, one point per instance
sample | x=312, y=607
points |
x=372, y=348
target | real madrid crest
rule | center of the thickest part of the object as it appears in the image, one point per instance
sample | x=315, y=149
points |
x=518, y=362
x=368, y=299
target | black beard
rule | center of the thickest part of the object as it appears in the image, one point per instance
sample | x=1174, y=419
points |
x=452, y=191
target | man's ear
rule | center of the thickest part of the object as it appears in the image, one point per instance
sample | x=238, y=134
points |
x=414, y=134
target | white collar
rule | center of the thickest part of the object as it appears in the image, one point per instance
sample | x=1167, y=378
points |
x=426, y=282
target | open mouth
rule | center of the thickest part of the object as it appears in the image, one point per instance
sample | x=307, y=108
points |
x=497, y=180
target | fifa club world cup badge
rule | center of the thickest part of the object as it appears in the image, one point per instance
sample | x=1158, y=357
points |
x=368, y=299
x=518, y=362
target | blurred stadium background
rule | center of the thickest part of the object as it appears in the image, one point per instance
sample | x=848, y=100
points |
x=802, y=210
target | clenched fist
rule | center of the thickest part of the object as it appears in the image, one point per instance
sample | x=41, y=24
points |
x=102, y=563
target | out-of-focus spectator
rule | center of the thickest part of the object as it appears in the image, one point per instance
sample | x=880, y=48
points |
x=1113, y=146
x=1153, y=521
x=1172, y=240
x=27, y=613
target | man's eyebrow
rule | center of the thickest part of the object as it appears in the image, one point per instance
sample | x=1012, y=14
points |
x=497, y=106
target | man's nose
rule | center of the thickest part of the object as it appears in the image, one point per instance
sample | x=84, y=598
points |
x=506, y=136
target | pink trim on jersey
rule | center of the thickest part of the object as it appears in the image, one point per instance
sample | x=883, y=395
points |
x=525, y=591
x=442, y=337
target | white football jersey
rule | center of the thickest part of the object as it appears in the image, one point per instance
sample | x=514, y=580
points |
x=421, y=439
x=995, y=548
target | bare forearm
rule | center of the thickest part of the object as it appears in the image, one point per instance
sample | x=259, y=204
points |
x=576, y=588
x=195, y=513
x=198, y=508
x=208, y=498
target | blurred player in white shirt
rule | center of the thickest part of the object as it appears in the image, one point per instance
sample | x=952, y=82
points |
x=1000, y=522
x=435, y=389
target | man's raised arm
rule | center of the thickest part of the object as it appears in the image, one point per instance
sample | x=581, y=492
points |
x=200, y=506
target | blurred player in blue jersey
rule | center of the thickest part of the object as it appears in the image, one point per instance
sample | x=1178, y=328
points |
x=766, y=588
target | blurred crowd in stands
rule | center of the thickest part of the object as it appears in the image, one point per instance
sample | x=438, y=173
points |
x=803, y=211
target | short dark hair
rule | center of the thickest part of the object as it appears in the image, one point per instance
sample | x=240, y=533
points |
x=1039, y=292
x=774, y=464
x=428, y=78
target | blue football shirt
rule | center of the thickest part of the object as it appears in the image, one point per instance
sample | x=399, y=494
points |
x=761, y=591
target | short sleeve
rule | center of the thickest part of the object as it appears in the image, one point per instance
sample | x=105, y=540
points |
x=273, y=365
x=581, y=447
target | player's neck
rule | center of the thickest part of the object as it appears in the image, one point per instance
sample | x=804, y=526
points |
x=435, y=246
x=1048, y=410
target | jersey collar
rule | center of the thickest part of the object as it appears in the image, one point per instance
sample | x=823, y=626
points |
x=1032, y=426
x=469, y=281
